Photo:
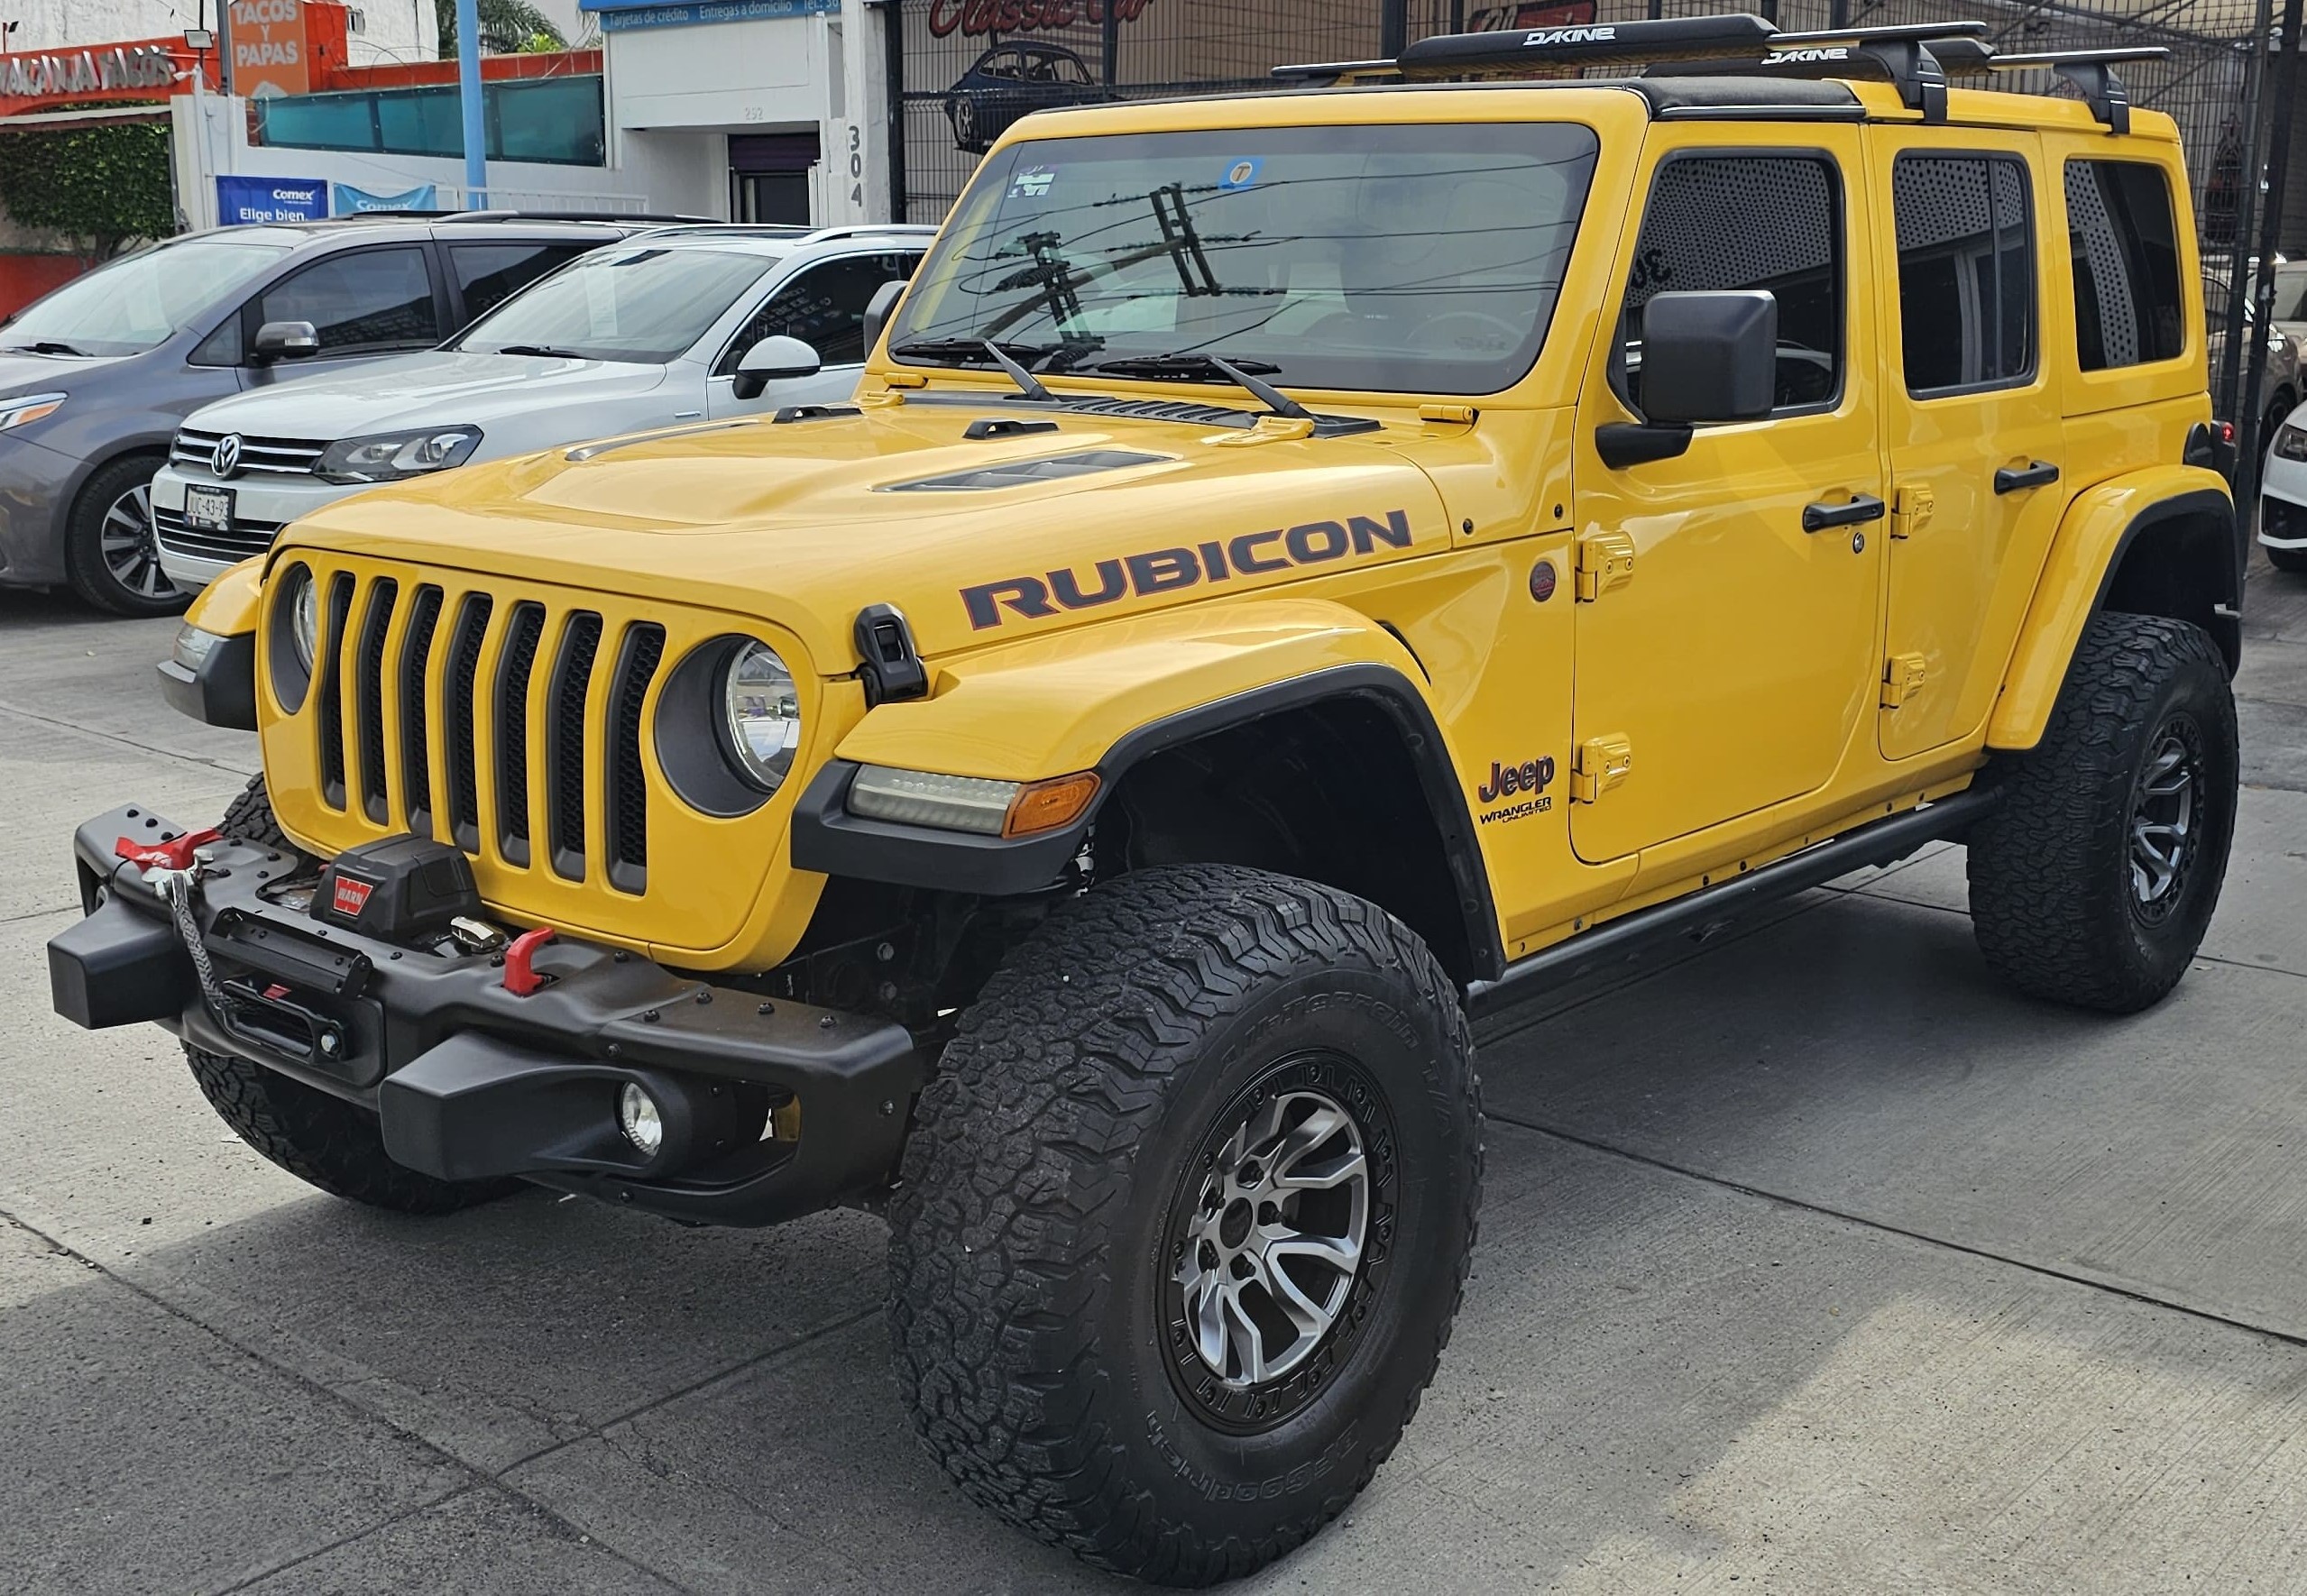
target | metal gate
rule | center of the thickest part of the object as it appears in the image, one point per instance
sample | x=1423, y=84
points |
x=961, y=71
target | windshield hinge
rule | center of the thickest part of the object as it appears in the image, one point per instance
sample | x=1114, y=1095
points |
x=1448, y=415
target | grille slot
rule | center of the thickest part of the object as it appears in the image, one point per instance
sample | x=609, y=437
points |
x=415, y=720
x=368, y=698
x=332, y=691
x=566, y=739
x=643, y=651
x=518, y=664
x=459, y=685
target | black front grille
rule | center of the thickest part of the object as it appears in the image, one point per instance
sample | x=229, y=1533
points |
x=627, y=782
x=519, y=663
x=332, y=691
x=460, y=685
x=564, y=741
x=244, y=540
x=368, y=690
x=416, y=722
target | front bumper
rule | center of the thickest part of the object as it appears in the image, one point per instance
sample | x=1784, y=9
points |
x=777, y=1109
x=262, y=506
x=2283, y=502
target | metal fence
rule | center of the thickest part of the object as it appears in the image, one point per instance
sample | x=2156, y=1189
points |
x=963, y=70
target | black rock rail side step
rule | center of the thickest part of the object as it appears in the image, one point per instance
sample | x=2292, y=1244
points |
x=1695, y=913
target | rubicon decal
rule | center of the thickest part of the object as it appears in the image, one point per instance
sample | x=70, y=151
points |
x=1167, y=570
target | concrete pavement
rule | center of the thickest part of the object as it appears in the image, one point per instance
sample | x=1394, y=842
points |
x=1813, y=1260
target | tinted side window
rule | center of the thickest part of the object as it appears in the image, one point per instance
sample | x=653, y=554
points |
x=488, y=274
x=824, y=308
x=2120, y=231
x=360, y=300
x=1966, y=270
x=1771, y=222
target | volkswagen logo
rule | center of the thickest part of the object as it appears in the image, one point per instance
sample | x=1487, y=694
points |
x=225, y=460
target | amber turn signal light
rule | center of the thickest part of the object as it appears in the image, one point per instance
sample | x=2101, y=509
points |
x=1044, y=806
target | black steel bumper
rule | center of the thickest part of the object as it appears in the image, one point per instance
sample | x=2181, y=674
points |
x=771, y=1109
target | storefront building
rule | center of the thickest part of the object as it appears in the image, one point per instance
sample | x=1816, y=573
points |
x=754, y=110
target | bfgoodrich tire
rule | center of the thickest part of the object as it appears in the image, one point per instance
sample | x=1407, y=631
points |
x=1185, y=1218
x=2094, y=878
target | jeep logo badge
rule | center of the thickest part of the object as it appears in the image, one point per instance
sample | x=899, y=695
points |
x=224, y=460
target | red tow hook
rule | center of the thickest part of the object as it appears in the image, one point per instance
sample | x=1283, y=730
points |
x=173, y=855
x=520, y=969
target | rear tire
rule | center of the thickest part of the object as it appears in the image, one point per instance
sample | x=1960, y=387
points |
x=2093, y=880
x=325, y=1140
x=1184, y=1090
x=110, y=554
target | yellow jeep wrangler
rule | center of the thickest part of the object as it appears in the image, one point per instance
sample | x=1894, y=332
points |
x=1299, y=569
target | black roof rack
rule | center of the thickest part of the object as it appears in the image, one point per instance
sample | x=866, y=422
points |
x=1915, y=57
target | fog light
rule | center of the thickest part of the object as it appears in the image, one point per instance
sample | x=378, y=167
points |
x=644, y=1127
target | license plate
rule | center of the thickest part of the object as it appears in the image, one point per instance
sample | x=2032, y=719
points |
x=208, y=509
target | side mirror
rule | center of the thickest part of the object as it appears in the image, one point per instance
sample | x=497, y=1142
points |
x=1705, y=357
x=878, y=309
x=771, y=359
x=1710, y=357
x=286, y=340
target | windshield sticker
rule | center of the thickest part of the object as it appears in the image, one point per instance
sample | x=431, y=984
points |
x=1241, y=173
x=1033, y=182
x=1162, y=570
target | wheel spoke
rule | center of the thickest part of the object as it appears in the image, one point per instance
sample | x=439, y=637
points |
x=1309, y=1318
x=1249, y=1346
x=1339, y=1253
x=1316, y=1130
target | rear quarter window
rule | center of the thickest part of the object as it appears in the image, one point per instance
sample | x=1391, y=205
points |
x=2124, y=243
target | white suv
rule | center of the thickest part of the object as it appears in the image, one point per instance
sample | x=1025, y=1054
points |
x=648, y=332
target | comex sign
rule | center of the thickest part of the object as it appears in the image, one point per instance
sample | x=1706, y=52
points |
x=86, y=71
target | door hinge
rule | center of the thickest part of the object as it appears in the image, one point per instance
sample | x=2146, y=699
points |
x=1605, y=561
x=1902, y=678
x=1910, y=509
x=1600, y=763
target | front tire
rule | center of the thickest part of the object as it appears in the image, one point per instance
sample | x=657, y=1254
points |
x=1185, y=1218
x=110, y=553
x=2093, y=880
x=325, y=1140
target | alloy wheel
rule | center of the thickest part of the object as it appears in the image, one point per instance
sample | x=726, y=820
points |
x=131, y=552
x=2163, y=820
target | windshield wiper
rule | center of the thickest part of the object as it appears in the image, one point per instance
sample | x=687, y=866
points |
x=549, y=351
x=979, y=349
x=47, y=346
x=1190, y=365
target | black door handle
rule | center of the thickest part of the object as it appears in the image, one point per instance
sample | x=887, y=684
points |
x=2011, y=478
x=1820, y=517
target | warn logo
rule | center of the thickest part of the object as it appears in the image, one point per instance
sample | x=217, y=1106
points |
x=1540, y=38
x=1167, y=570
x=350, y=895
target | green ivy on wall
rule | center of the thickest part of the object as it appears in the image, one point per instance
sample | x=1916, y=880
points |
x=103, y=184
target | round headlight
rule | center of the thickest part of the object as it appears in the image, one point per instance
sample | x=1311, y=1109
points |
x=305, y=618
x=763, y=715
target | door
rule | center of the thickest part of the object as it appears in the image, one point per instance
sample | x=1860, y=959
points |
x=362, y=303
x=1728, y=651
x=1970, y=418
x=824, y=306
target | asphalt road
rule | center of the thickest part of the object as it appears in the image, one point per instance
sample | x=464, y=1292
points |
x=1813, y=1262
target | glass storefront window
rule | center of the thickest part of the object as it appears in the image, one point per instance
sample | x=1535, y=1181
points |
x=553, y=120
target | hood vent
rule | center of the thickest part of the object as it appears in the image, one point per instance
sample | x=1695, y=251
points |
x=1020, y=474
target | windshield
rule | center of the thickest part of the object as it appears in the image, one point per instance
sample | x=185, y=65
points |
x=137, y=302
x=1416, y=258
x=625, y=303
